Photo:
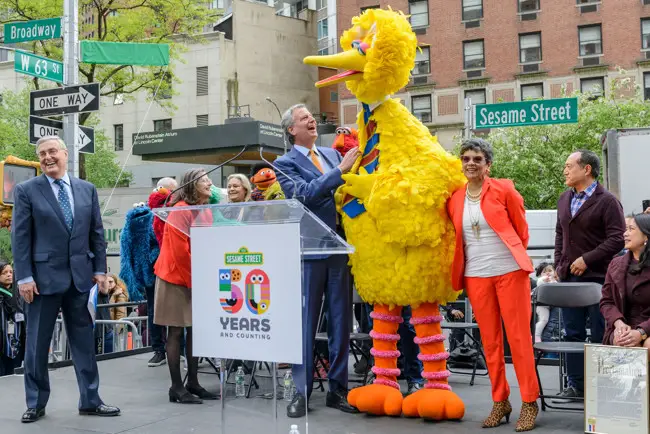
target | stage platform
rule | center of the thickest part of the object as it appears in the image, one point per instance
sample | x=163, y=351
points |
x=141, y=393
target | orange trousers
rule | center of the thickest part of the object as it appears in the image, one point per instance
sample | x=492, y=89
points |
x=505, y=298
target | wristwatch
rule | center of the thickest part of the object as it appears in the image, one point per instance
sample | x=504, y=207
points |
x=644, y=335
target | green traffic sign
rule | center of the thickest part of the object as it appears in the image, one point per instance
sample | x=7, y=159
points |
x=526, y=113
x=37, y=66
x=37, y=30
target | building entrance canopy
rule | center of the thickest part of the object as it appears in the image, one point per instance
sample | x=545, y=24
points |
x=211, y=144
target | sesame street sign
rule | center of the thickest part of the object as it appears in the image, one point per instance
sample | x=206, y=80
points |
x=526, y=113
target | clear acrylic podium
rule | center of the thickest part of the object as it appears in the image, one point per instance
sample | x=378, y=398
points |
x=247, y=289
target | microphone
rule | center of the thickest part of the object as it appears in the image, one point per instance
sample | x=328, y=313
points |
x=205, y=174
x=293, y=181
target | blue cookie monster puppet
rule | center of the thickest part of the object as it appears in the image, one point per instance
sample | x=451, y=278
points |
x=139, y=251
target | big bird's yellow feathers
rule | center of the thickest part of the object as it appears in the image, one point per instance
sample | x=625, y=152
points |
x=404, y=241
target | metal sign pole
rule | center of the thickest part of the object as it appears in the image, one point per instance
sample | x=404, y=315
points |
x=71, y=77
x=467, y=131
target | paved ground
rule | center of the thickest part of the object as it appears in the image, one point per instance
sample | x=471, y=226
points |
x=141, y=392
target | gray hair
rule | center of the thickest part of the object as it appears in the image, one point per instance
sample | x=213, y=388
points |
x=590, y=158
x=168, y=183
x=58, y=139
x=478, y=145
x=244, y=182
x=287, y=121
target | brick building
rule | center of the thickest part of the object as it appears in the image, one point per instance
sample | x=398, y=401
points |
x=509, y=50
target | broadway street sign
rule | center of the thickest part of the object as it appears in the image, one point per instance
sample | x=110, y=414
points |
x=64, y=100
x=38, y=66
x=41, y=127
x=37, y=30
x=526, y=113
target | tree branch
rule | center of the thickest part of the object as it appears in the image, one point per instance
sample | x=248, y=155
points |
x=111, y=74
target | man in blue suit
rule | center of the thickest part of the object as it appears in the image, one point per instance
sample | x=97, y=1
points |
x=59, y=253
x=314, y=174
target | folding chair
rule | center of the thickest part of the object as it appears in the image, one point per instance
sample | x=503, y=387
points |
x=466, y=327
x=569, y=294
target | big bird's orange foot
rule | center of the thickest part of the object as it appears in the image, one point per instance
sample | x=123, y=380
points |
x=377, y=399
x=434, y=404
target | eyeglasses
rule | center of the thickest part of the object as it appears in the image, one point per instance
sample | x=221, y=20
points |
x=476, y=159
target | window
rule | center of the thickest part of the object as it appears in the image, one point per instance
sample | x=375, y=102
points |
x=586, y=2
x=422, y=62
x=532, y=91
x=419, y=11
x=530, y=48
x=591, y=43
x=321, y=4
x=334, y=96
x=323, y=52
x=646, y=85
x=201, y=80
x=162, y=125
x=322, y=29
x=118, y=132
x=528, y=5
x=421, y=107
x=365, y=8
x=165, y=88
x=118, y=99
x=472, y=9
x=645, y=33
x=593, y=86
x=202, y=120
x=4, y=55
x=477, y=96
x=473, y=55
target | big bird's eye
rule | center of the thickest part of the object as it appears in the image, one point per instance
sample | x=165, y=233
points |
x=360, y=46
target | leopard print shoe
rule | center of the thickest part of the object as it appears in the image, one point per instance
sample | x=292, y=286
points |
x=526, y=422
x=499, y=411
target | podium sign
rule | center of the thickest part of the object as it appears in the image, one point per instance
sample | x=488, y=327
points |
x=616, y=390
x=246, y=292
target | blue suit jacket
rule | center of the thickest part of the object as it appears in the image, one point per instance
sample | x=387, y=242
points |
x=42, y=245
x=314, y=189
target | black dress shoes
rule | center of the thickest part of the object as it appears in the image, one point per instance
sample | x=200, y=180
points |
x=102, y=410
x=339, y=400
x=298, y=407
x=32, y=415
x=413, y=387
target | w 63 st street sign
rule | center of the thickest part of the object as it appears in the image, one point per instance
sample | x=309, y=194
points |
x=526, y=113
x=38, y=66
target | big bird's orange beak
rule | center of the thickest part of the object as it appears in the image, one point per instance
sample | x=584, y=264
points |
x=352, y=61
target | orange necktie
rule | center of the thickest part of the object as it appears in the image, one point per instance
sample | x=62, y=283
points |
x=315, y=160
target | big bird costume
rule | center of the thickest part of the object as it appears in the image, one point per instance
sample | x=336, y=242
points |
x=393, y=210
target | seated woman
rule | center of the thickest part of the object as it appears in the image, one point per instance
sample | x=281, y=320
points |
x=626, y=293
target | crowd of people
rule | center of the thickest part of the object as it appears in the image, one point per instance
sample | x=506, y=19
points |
x=595, y=242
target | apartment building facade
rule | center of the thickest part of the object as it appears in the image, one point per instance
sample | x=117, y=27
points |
x=511, y=50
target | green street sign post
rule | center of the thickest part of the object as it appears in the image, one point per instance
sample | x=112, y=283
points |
x=526, y=113
x=37, y=30
x=37, y=66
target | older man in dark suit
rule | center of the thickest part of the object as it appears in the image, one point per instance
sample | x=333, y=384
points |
x=588, y=234
x=314, y=173
x=59, y=252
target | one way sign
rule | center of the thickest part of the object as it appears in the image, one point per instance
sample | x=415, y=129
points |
x=64, y=100
x=40, y=127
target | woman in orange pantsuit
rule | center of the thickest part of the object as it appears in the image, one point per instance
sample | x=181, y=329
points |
x=492, y=265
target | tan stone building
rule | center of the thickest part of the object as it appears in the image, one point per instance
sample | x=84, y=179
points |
x=509, y=50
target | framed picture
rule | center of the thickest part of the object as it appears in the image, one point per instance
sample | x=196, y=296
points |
x=616, y=390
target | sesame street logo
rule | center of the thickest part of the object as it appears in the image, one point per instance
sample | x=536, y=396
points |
x=257, y=296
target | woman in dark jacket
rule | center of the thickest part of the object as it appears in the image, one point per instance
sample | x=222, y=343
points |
x=626, y=293
x=12, y=323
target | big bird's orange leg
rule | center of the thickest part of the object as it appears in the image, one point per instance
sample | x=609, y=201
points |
x=383, y=398
x=436, y=401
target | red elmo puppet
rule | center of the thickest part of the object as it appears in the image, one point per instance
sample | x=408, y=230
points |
x=157, y=200
x=346, y=139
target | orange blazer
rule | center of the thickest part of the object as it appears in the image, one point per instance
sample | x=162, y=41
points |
x=503, y=209
x=174, y=263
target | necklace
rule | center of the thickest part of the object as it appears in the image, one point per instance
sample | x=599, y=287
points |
x=474, y=203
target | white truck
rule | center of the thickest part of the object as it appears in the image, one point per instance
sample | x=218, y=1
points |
x=626, y=155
